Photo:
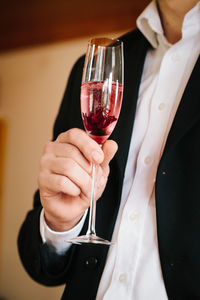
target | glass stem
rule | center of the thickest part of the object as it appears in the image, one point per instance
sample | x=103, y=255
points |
x=92, y=213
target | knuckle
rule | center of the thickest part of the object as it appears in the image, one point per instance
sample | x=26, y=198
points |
x=72, y=133
x=42, y=162
x=60, y=137
x=48, y=147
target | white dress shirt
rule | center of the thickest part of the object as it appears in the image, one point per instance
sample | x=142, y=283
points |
x=132, y=269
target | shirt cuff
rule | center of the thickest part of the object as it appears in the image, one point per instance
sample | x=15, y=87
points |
x=58, y=239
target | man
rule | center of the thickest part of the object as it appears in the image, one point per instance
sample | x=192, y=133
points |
x=149, y=204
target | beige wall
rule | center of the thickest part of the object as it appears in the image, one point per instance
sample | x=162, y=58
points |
x=32, y=83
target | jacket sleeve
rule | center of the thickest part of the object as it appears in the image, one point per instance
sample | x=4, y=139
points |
x=40, y=260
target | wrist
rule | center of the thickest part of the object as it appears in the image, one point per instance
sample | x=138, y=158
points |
x=59, y=226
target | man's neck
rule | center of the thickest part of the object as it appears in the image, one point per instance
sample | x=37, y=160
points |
x=172, y=13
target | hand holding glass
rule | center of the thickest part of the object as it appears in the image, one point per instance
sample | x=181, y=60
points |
x=101, y=98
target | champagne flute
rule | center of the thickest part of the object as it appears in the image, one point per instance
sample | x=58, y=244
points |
x=101, y=98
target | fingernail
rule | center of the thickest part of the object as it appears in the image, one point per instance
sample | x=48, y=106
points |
x=96, y=156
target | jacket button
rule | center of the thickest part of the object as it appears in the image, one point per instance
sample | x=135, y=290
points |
x=91, y=262
x=171, y=264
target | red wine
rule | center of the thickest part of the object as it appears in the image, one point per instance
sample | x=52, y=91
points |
x=100, y=106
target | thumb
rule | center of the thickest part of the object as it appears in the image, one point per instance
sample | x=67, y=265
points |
x=109, y=148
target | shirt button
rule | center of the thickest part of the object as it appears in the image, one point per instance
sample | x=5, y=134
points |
x=133, y=216
x=161, y=106
x=122, y=278
x=147, y=160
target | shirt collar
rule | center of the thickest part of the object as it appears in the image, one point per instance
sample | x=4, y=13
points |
x=191, y=22
x=150, y=25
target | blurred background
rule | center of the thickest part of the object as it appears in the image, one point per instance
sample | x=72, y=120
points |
x=39, y=42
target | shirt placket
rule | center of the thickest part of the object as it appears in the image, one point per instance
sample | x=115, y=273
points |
x=134, y=212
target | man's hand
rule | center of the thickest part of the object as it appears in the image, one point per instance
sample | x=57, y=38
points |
x=65, y=176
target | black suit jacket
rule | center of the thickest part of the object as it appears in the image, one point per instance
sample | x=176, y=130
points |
x=177, y=193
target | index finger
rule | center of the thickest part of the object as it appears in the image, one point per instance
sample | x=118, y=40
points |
x=79, y=138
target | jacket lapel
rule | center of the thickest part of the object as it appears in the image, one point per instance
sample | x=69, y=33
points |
x=188, y=111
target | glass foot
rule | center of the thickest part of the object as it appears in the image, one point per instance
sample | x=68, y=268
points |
x=89, y=239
